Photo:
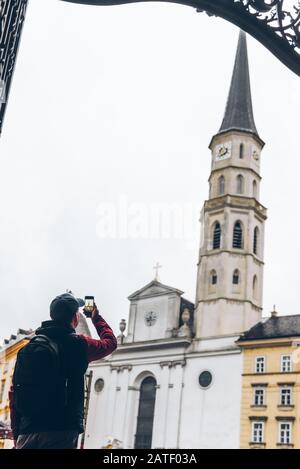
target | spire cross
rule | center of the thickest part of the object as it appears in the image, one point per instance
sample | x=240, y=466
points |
x=156, y=267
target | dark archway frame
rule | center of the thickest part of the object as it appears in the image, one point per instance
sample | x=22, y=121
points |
x=271, y=22
x=274, y=23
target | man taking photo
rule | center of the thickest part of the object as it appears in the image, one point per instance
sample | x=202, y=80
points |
x=47, y=395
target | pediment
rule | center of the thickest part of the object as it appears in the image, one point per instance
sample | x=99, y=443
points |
x=154, y=288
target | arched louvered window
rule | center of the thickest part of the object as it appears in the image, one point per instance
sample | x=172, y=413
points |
x=239, y=184
x=217, y=236
x=241, y=150
x=143, y=436
x=213, y=277
x=237, y=241
x=236, y=277
x=255, y=240
x=221, y=185
x=254, y=189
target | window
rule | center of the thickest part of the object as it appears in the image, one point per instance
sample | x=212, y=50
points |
x=286, y=363
x=241, y=150
x=286, y=396
x=99, y=385
x=239, y=184
x=259, y=396
x=221, y=185
x=257, y=432
x=237, y=241
x=236, y=277
x=254, y=287
x=143, y=437
x=5, y=368
x=217, y=236
x=2, y=387
x=255, y=240
x=285, y=433
x=205, y=379
x=260, y=364
x=254, y=189
x=213, y=277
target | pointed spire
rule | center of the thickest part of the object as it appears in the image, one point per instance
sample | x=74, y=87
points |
x=239, y=113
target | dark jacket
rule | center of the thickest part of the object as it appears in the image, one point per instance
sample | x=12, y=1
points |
x=77, y=351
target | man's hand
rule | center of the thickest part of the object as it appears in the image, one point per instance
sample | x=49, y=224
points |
x=91, y=313
x=95, y=311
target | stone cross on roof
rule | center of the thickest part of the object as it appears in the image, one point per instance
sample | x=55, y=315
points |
x=156, y=268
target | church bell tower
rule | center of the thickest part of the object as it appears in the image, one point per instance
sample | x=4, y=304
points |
x=230, y=268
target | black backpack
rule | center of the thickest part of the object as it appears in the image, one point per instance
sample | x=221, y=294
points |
x=39, y=381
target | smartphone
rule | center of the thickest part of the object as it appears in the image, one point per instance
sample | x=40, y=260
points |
x=89, y=304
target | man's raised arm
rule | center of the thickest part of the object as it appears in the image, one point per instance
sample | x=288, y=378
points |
x=107, y=342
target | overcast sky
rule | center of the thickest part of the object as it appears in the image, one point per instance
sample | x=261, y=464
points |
x=110, y=113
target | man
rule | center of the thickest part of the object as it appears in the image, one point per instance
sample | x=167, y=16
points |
x=47, y=395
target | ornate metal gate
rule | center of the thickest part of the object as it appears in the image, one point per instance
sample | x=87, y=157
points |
x=274, y=23
x=12, y=15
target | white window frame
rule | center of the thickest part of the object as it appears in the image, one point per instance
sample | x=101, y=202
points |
x=264, y=364
x=285, y=442
x=259, y=388
x=286, y=388
x=282, y=363
x=262, y=437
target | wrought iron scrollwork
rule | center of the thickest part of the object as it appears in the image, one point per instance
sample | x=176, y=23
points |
x=274, y=23
x=12, y=15
x=282, y=16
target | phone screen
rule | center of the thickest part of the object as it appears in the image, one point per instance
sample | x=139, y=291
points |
x=89, y=303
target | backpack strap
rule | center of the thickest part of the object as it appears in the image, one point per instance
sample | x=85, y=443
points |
x=53, y=345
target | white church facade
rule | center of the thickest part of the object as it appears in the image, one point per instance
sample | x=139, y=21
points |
x=175, y=379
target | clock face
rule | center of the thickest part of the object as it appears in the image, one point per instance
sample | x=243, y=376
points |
x=150, y=318
x=255, y=153
x=223, y=151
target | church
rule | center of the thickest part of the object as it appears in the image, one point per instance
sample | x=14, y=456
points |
x=175, y=380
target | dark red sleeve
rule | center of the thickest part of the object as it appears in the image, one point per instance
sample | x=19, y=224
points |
x=99, y=348
x=14, y=416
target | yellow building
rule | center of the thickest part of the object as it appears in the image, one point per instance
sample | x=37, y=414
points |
x=8, y=355
x=270, y=405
